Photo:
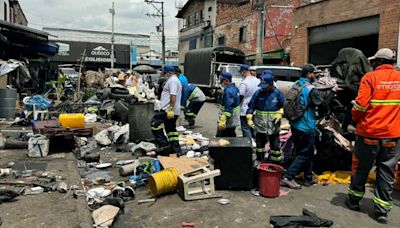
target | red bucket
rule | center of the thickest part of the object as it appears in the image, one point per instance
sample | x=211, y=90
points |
x=269, y=179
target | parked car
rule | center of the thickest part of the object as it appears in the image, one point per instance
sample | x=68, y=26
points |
x=280, y=73
x=284, y=75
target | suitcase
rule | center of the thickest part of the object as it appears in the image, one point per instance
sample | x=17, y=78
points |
x=235, y=161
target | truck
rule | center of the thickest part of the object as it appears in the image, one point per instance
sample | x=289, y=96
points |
x=204, y=66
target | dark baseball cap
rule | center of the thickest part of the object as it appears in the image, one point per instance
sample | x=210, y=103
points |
x=168, y=68
x=244, y=67
x=308, y=68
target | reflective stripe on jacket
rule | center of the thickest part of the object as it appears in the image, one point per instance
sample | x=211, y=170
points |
x=266, y=106
x=230, y=105
x=377, y=106
x=191, y=93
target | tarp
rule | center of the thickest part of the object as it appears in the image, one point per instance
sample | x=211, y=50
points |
x=349, y=67
x=13, y=64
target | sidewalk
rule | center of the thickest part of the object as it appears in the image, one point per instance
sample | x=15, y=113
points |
x=45, y=209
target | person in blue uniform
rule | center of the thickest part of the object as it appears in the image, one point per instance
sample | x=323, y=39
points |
x=195, y=97
x=266, y=106
x=229, y=113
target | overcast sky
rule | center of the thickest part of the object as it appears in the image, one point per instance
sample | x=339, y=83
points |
x=94, y=15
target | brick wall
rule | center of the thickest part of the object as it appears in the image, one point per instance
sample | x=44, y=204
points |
x=334, y=11
x=230, y=17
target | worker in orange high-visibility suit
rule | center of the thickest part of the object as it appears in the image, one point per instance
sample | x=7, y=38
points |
x=377, y=113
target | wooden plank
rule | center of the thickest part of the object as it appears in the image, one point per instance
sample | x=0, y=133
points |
x=182, y=164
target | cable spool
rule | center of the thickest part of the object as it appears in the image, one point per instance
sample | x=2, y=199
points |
x=164, y=181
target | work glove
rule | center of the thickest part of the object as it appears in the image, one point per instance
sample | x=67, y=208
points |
x=170, y=113
x=222, y=122
x=250, y=122
x=278, y=115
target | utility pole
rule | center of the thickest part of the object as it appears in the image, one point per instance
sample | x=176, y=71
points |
x=260, y=6
x=160, y=13
x=112, y=11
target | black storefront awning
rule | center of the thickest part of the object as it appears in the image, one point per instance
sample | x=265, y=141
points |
x=19, y=41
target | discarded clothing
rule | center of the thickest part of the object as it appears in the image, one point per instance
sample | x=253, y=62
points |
x=308, y=219
x=7, y=195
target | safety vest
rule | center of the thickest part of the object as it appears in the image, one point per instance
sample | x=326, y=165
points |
x=377, y=106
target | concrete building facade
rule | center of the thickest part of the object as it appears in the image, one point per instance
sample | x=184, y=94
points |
x=321, y=29
x=11, y=11
x=197, y=20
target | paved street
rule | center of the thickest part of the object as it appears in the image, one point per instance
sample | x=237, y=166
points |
x=246, y=209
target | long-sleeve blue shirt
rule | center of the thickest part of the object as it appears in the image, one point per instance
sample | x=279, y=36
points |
x=230, y=100
x=186, y=91
x=270, y=101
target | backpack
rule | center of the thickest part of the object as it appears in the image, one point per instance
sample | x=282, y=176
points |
x=292, y=108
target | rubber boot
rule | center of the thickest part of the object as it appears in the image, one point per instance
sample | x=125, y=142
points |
x=260, y=156
x=191, y=122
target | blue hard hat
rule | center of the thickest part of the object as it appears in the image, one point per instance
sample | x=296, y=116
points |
x=168, y=68
x=244, y=67
x=225, y=75
x=266, y=79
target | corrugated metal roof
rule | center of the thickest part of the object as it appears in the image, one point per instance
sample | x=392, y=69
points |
x=8, y=25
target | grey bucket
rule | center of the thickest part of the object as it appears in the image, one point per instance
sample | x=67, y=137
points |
x=140, y=116
x=8, y=98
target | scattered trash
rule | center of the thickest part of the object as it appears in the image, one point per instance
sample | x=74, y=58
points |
x=223, y=201
x=96, y=194
x=196, y=146
x=10, y=164
x=125, y=193
x=122, y=134
x=146, y=201
x=124, y=162
x=190, y=154
x=127, y=170
x=188, y=224
x=62, y=187
x=33, y=190
x=255, y=192
x=114, y=201
x=105, y=215
x=102, y=138
x=283, y=192
x=38, y=146
x=92, y=176
x=307, y=219
x=7, y=195
x=181, y=129
x=309, y=205
x=90, y=118
x=142, y=148
x=5, y=172
x=103, y=165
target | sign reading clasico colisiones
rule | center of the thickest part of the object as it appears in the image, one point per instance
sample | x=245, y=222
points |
x=99, y=54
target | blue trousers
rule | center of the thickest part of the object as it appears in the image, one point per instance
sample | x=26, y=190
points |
x=304, y=147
